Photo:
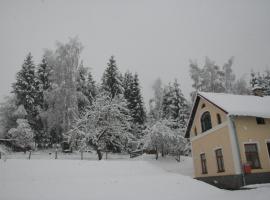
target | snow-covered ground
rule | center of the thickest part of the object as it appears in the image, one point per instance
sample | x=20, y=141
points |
x=140, y=178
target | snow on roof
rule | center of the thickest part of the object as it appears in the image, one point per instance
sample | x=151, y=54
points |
x=240, y=105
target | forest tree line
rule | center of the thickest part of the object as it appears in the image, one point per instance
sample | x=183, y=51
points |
x=59, y=100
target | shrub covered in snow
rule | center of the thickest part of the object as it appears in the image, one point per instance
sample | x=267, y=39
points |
x=23, y=136
x=164, y=139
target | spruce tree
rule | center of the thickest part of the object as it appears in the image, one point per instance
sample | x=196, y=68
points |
x=25, y=86
x=127, y=83
x=137, y=105
x=86, y=88
x=82, y=96
x=174, y=106
x=43, y=81
x=111, y=80
x=26, y=89
x=91, y=88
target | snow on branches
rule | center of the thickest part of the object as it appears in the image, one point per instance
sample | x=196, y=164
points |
x=105, y=126
x=162, y=138
x=23, y=135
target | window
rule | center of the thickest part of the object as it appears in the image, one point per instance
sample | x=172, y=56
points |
x=203, y=105
x=260, y=120
x=203, y=163
x=218, y=119
x=220, y=162
x=195, y=131
x=268, y=147
x=252, y=156
x=206, y=121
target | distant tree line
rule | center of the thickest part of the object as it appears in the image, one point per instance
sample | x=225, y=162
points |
x=59, y=100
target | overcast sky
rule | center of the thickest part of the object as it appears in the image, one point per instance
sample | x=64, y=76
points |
x=154, y=38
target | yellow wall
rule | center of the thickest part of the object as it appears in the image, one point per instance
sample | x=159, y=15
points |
x=248, y=131
x=213, y=112
x=209, y=141
x=208, y=144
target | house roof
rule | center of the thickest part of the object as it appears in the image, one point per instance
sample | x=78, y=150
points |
x=233, y=105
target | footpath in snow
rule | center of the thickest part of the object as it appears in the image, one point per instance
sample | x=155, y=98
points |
x=140, y=178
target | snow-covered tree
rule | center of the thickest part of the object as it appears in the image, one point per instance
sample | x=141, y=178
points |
x=7, y=109
x=241, y=87
x=23, y=135
x=91, y=88
x=26, y=88
x=262, y=81
x=62, y=96
x=132, y=93
x=155, y=103
x=211, y=77
x=43, y=80
x=105, y=126
x=175, y=106
x=229, y=76
x=111, y=79
x=82, y=90
x=164, y=139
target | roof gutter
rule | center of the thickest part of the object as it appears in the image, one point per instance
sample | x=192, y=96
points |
x=236, y=148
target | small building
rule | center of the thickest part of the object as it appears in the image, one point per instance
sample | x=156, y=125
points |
x=230, y=139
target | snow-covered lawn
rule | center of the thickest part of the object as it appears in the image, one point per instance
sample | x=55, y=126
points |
x=140, y=178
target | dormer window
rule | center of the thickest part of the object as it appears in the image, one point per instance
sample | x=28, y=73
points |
x=260, y=120
x=206, y=121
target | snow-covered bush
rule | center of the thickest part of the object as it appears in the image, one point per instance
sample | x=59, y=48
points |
x=161, y=138
x=23, y=136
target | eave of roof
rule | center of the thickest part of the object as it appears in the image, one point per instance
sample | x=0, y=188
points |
x=193, y=112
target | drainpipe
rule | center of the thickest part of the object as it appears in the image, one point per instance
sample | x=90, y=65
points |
x=236, y=144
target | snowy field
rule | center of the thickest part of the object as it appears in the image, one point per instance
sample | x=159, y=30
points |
x=140, y=178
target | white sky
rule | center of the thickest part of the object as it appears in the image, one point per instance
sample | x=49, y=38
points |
x=152, y=37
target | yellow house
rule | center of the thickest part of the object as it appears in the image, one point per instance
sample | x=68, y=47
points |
x=230, y=139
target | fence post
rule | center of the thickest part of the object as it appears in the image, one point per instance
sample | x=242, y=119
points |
x=56, y=153
x=30, y=152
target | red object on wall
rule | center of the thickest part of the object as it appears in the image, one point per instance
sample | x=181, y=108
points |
x=247, y=168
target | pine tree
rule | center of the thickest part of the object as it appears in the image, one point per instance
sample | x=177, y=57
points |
x=175, y=106
x=167, y=102
x=44, y=83
x=132, y=94
x=91, y=88
x=261, y=81
x=86, y=88
x=127, y=84
x=82, y=91
x=27, y=94
x=26, y=88
x=111, y=80
x=136, y=102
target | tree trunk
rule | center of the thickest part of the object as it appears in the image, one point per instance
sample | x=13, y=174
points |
x=56, y=154
x=156, y=153
x=30, y=152
x=99, y=154
x=81, y=155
